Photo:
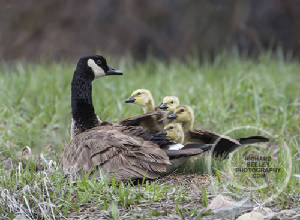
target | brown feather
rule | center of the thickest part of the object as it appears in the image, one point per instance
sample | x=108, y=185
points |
x=151, y=121
x=209, y=137
x=173, y=154
x=223, y=144
x=117, y=154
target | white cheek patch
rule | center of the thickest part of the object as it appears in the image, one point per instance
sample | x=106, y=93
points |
x=176, y=146
x=98, y=71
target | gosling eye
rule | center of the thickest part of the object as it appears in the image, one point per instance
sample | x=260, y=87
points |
x=139, y=93
x=171, y=102
x=99, y=62
x=182, y=110
x=171, y=127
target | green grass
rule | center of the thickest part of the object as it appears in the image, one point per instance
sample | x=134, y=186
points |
x=226, y=93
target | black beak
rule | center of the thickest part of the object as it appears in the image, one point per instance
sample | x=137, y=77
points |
x=172, y=116
x=112, y=71
x=163, y=106
x=131, y=99
x=163, y=132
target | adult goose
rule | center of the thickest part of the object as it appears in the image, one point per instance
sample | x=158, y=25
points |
x=184, y=114
x=154, y=118
x=126, y=152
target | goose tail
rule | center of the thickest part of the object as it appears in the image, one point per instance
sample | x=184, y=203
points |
x=252, y=140
x=223, y=149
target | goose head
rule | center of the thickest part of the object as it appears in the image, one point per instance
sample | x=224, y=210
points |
x=174, y=131
x=169, y=103
x=88, y=68
x=183, y=114
x=143, y=98
x=93, y=67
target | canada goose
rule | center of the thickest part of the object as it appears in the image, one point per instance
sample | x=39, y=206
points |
x=126, y=152
x=224, y=145
x=154, y=118
x=75, y=130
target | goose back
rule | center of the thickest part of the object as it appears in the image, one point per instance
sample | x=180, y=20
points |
x=117, y=154
x=151, y=121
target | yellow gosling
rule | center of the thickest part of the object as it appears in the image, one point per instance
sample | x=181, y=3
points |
x=169, y=103
x=175, y=132
x=143, y=98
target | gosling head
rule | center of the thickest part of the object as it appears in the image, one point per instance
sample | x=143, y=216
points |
x=169, y=103
x=142, y=97
x=93, y=67
x=174, y=131
x=183, y=114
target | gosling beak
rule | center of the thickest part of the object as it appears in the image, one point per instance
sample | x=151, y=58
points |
x=131, y=99
x=112, y=71
x=172, y=116
x=163, y=106
x=163, y=132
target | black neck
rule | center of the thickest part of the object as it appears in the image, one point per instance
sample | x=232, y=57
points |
x=83, y=112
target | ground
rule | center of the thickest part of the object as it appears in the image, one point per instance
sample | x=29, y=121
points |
x=227, y=94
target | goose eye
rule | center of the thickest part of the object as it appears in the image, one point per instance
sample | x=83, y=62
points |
x=171, y=127
x=181, y=110
x=171, y=102
x=138, y=93
x=99, y=62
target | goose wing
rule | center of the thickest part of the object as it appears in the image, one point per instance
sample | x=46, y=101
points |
x=152, y=121
x=137, y=119
x=117, y=154
x=223, y=144
x=187, y=151
x=155, y=137
x=208, y=137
